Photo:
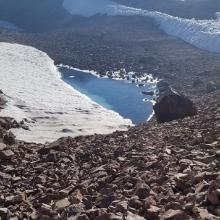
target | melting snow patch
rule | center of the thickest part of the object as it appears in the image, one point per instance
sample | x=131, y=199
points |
x=35, y=92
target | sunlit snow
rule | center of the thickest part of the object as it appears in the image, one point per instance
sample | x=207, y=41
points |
x=52, y=108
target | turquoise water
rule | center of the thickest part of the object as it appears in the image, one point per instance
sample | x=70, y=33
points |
x=118, y=95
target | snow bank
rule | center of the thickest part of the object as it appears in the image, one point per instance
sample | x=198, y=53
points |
x=52, y=108
x=204, y=34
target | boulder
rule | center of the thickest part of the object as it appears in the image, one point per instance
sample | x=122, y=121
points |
x=6, y=154
x=2, y=146
x=82, y=217
x=93, y=213
x=142, y=190
x=153, y=213
x=122, y=206
x=62, y=204
x=213, y=196
x=4, y=213
x=104, y=201
x=9, y=138
x=174, y=215
x=131, y=216
x=172, y=105
x=13, y=199
x=108, y=216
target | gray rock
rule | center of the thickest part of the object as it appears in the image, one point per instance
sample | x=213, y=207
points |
x=13, y=199
x=6, y=154
x=4, y=213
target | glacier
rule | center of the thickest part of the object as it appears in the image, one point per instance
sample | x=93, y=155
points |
x=37, y=95
x=204, y=34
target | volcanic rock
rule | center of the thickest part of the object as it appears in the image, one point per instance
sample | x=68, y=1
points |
x=174, y=215
x=153, y=213
x=171, y=106
x=2, y=146
x=82, y=217
x=9, y=138
x=13, y=199
x=61, y=204
x=6, y=154
x=142, y=190
x=4, y=213
x=214, y=192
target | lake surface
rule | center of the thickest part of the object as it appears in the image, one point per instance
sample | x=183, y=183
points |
x=118, y=95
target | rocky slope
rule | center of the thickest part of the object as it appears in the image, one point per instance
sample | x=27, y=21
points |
x=153, y=171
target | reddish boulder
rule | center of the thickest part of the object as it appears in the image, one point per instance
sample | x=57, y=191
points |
x=172, y=105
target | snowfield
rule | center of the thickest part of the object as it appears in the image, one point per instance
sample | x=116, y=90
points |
x=204, y=34
x=51, y=108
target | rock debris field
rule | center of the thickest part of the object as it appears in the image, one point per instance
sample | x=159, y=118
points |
x=166, y=171
x=152, y=171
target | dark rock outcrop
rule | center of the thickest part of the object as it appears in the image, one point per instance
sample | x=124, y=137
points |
x=172, y=105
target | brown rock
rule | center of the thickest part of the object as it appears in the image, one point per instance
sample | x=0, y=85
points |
x=135, y=203
x=214, y=197
x=172, y=105
x=62, y=204
x=108, y=216
x=214, y=192
x=82, y=217
x=76, y=197
x=93, y=213
x=181, y=180
x=9, y=138
x=203, y=214
x=14, y=199
x=45, y=210
x=4, y=213
x=174, y=215
x=4, y=175
x=104, y=201
x=2, y=146
x=131, y=216
x=173, y=206
x=142, y=190
x=6, y=154
x=153, y=213
x=122, y=206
